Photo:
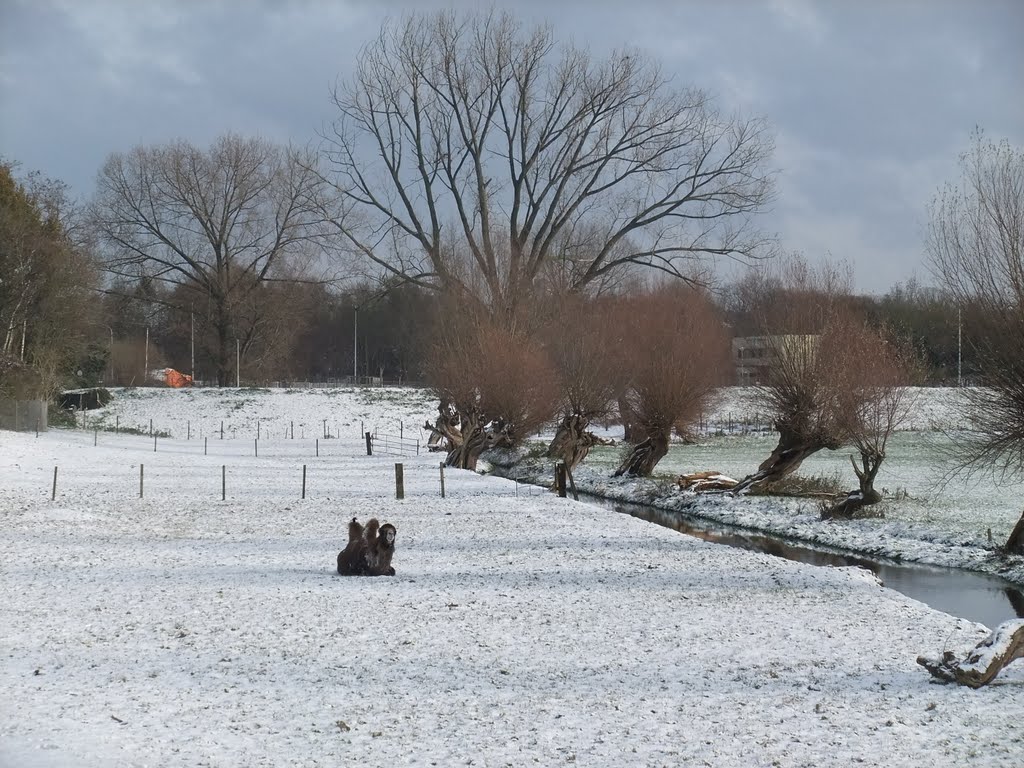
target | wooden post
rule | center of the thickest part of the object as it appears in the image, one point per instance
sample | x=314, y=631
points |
x=150, y=427
x=303, y=481
x=256, y=447
x=204, y=445
x=142, y=472
x=154, y=443
x=222, y=429
x=293, y=430
x=369, y=445
x=401, y=429
x=53, y=495
x=223, y=482
x=325, y=429
x=318, y=447
x=417, y=446
x=95, y=435
x=188, y=430
x=442, y=479
x=399, y=481
x=117, y=424
x=560, y=478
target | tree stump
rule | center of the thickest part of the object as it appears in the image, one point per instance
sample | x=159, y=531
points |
x=988, y=659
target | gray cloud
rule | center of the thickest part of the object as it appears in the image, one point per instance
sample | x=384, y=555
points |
x=871, y=101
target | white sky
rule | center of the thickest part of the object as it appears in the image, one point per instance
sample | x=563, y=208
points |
x=871, y=101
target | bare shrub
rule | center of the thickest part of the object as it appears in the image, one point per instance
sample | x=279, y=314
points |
x=975, y=244
x=674, y=351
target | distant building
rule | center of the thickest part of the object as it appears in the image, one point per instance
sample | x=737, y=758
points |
x=755, y=356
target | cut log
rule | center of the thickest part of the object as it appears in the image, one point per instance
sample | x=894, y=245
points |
x=989, y=657
x=706, y=481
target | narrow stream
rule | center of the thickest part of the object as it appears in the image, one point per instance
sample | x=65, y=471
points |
x=975, y=596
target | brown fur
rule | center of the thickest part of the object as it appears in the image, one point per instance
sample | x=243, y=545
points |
x=369, y=550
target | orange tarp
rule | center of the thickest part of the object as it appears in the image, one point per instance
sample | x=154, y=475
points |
x=173, y=378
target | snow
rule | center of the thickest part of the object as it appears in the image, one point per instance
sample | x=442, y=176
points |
x=182, y=630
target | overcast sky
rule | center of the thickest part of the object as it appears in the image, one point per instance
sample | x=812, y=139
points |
x=871, y=101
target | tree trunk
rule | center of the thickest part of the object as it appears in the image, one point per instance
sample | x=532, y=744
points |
x=223, y=357
x=626, y=417
x=644, y=456
x=988, y=659
x=787, y=457
x=1015, y=544
x=444, y=432
x=572, y=442
x=865, y=495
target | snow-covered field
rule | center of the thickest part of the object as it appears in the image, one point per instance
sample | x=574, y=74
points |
x=182, y=630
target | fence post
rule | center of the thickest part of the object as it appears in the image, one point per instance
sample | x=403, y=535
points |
x=303, y=481
x=222, y=429
x=95, y=435
x=204, y=445
x=442, y=479
x=399, y=481
x=150, y=427
x=142, y=472
x=293, y=430
x=369, y=445
x=223, y=482
x=37, y=426
x=188, y=430
x=560, y=479
x=325, y=429
x=318, y=447
x=256, y=447
x=154, y=443
x=53, y=495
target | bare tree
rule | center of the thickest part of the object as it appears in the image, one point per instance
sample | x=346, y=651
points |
x=223, y=220
x=975, y=243
x=472, y=154
x=803, y=341
x=672, y=375
x=581, y=344
x=495, y=387
x=874, y=399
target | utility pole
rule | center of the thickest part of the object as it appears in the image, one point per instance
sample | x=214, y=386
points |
x=959, y=358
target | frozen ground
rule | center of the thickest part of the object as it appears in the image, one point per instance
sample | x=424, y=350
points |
x=182, y=630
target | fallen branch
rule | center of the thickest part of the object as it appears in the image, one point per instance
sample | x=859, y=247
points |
x=706, y=481
x=988, y=659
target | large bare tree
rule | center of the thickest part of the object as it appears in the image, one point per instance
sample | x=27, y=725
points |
x=222, y=221
x=975, y=242
x=472, y=154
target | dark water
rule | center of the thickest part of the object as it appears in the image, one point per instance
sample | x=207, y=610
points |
x=978, y=597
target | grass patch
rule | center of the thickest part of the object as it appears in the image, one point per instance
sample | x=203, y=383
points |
x=815, y=486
